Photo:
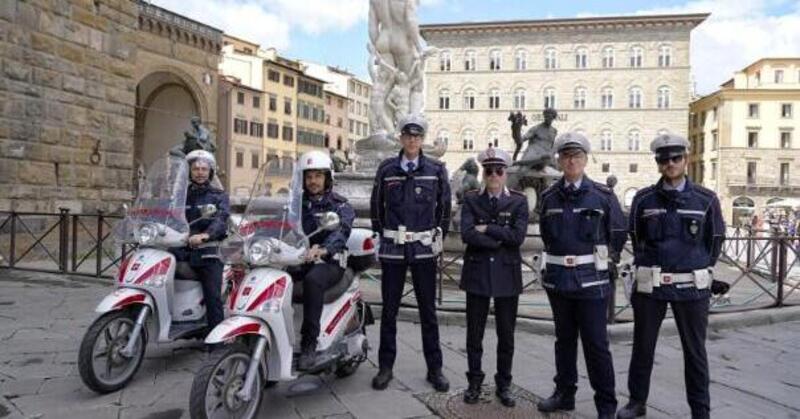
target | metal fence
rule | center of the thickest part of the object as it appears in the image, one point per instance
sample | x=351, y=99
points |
x=763, y=268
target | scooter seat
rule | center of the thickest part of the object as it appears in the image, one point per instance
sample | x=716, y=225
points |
x=332, y=293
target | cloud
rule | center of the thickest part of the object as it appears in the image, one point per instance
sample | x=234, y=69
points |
x=737, y=34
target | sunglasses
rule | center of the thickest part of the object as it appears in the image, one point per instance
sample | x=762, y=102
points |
x=498, y=170
x=674, y=159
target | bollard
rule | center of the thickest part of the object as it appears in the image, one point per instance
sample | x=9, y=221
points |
x=99, y=246
x=63, y=239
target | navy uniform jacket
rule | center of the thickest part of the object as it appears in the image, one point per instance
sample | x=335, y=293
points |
x=492, y=262
x=216, y=227
x=572, y=223
x=333, y=241
x=679, y=231
x=419, y=200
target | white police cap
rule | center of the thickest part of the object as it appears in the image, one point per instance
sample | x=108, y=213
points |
x=494, y=156
x=572, y=140
x=674, y=142
x=414, y=124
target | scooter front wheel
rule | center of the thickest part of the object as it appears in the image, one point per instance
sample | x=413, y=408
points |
x=215, y=389
x=101, y=363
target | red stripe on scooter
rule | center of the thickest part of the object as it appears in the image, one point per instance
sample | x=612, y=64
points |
x=133, y=299
x=159, y=268
x=242, y=330
x=337, y=318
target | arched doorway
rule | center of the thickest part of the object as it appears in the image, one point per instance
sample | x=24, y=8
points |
x=165, y=103
x=743, y=210
x=629, y=194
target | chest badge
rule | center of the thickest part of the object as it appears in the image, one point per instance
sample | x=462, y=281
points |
x=417, y=190
x=694, y=227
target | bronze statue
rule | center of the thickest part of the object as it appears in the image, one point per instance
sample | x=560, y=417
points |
x=196, y=138
x=540, y=143
x=469, y=181
x=518, y=120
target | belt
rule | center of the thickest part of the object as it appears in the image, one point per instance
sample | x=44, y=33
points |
x=401, y=236
x=208, y=244
x=569, y=260
x=648, y=277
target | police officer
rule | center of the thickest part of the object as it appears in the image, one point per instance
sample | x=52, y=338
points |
x=205, y=234
x=410, y=208
x=493, y=225
x=325, y=260
x=582, y=226
x=677, y=232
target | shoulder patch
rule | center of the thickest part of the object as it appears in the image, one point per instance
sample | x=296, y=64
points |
x=602, y=187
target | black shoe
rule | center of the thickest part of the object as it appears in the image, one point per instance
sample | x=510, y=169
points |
x=381, y=381
x=308, y=357
x=633, y=409
x=438, y=380
x=473, y=393
x=505, y=396
x=560, y=400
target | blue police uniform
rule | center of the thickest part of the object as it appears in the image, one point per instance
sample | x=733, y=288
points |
x=316, y=278
x=576, y=225
x=492, y=269
x=408, y=204
x=677, y=236
x=204, y=260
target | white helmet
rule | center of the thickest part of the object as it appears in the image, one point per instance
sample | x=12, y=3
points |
x=202, y=155
x=315, y=160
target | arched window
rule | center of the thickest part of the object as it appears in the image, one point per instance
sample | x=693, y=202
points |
x=579, y=100
x=469, y=60
x=521, y=60
x=629, y=195
x=519, y=99
x=444, y=99
x=581, y=58
x=608, y=57
x=634, y=140
x=495, y=60
x=469, y=99
x=494, y=99
x=606, y=138
x=663, y=97
x=550, y=98
x=664, y=56
x=607, y=98
x=635, y=98
x=444, y=61
x=468, y=140
x=494, y=138
x=636, y=57
x=443, y=137
x=550, y=59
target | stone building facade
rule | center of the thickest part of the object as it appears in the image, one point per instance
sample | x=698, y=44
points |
x=618, y=80
x=746, y=138
x=92, y=91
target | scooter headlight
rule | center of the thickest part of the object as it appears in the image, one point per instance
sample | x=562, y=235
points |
x=259, y=252
x=146, y=234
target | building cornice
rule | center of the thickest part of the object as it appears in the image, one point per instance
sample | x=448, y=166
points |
x=688, y=21
x=747, y=94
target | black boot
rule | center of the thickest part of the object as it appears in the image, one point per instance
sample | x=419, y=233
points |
x=308, y=357
x=381, y=381
x=560, y=400
x=506, y=397
x=633, y=409
x=473, y=393
x=438, y=380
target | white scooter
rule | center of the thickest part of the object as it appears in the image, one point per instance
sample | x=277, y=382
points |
x=263, y=330
x=150, y=284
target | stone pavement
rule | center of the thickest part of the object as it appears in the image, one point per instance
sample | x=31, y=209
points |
x=43, y=317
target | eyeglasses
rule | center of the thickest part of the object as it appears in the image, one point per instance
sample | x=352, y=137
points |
x=674, y=159
x=498, y=170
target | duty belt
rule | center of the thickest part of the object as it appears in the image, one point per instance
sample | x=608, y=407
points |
x=401, y=236
x=648, y=277
x=569, y=261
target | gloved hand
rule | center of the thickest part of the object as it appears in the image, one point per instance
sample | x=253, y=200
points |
x=719, y=287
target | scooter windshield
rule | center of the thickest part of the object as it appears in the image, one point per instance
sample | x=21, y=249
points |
x=271, y=231
x=158, y=216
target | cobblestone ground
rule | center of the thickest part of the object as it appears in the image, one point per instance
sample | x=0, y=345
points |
x=43, y=317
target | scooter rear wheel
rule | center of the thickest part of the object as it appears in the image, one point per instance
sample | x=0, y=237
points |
x=102, y=366
x=215, y=387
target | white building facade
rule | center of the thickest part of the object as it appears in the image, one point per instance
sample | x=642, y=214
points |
x=618, y=80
